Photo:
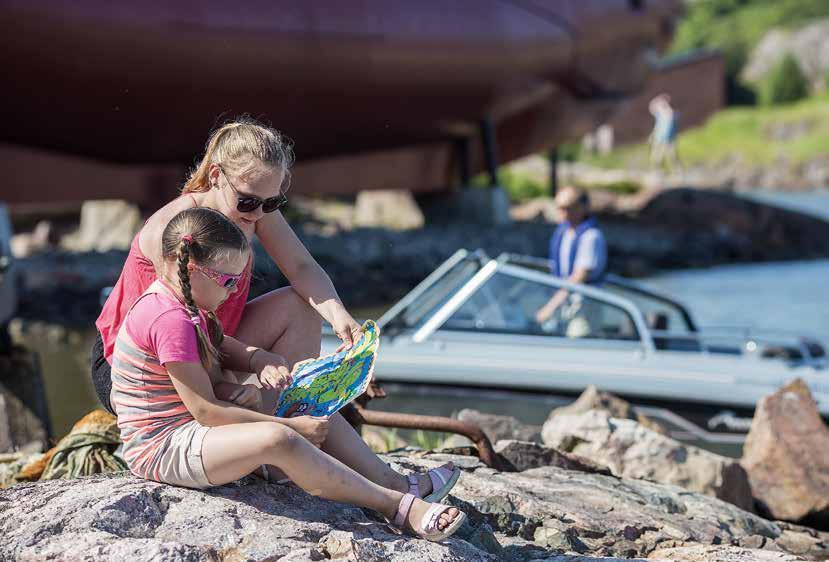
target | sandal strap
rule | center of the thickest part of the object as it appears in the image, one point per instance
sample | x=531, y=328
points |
x=439, y=477
x=403, y=509
x=414, y=485
x=429, y=522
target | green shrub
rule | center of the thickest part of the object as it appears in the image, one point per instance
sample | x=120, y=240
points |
x=569, y=151
x=621, y=187
x=520, y=187
x=784, y=84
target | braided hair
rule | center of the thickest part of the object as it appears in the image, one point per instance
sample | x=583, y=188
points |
x=205, y=237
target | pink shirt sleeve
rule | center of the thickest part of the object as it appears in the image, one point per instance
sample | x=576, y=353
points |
x=164, y=330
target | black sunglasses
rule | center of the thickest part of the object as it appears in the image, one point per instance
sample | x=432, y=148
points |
x=249, y=203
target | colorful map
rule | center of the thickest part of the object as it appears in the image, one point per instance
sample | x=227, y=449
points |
x=322, y=386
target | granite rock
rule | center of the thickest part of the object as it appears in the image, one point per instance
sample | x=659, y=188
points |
x=632, y=450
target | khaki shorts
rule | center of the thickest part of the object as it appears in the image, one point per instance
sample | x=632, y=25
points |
x=181, y=464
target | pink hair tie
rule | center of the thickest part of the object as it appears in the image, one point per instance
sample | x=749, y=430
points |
x=195, y=320
x=188, y=239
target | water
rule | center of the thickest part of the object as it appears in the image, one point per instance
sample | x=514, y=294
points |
x=786, y=296
x=814, y=202
x=64, y=362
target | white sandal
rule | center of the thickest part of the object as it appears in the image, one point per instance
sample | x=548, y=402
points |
x=428, y=528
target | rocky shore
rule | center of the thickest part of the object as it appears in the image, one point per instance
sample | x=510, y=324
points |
x=680, y=228
x=588, y=498
x=543, y=513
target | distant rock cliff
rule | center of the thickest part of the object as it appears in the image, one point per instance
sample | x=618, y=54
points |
x=808, y=45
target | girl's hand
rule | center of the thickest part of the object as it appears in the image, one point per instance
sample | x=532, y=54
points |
x=346, y=328
x=272, y=370
x=312, y=428
x=247, y=396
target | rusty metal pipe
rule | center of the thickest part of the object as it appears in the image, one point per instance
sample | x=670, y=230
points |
x=433, y=423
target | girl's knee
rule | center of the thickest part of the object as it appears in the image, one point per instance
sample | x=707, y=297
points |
x=280, y=437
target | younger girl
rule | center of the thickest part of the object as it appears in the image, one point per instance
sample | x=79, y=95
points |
x=175, y=430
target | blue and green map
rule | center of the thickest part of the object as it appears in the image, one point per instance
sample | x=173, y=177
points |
x=322, y=386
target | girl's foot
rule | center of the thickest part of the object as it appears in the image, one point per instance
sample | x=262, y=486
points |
x=430, y=521
x=435, y=484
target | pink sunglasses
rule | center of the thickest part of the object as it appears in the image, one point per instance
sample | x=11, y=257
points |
x=222, y=279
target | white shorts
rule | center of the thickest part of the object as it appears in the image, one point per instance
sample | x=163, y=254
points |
x=181, y=464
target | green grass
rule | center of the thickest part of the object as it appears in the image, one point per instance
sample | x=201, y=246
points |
x=523, y=187
x=393, y=439
x=744, y=133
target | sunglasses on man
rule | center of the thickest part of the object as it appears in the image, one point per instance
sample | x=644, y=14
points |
x=249, y=203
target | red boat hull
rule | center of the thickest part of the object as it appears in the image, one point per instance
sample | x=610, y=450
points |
x=363, y=83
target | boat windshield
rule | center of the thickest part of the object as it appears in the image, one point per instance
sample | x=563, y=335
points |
x=508, y=304
x=433, y=298
x=661, y=314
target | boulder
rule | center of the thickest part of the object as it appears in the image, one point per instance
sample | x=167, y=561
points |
x=22, y=403
x=593, y=399
x=545, y=513
x=392, y=209
x=496, y=428
x=523, y=455
x=701, y=553
x=807, y=44
x=631, y=450
x=786, y=455
x=105, y=225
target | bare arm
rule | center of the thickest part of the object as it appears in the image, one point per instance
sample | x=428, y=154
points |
x=236, y=355
x=193, y=386
x=304, y=273
x=580, y=275
x=196, y=391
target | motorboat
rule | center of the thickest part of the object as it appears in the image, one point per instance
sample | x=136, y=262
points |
x=469, y=328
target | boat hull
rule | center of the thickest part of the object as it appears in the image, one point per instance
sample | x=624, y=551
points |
x=143, y=83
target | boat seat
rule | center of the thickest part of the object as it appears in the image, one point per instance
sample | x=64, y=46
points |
x=658, y=321
x=668, y=343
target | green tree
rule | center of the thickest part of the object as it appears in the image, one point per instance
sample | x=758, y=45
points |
x=784, y=84
x=735, y=26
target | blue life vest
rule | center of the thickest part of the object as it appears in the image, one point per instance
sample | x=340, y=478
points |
x=596, y=277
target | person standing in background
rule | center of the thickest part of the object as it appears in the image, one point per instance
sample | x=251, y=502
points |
x=665, y=128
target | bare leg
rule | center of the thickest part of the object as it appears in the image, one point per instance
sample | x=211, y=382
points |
x=346, y=445
x=232, y=451
x=281, y=322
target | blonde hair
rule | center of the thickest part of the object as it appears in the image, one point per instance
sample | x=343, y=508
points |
x=239, y=144
x=206, y=237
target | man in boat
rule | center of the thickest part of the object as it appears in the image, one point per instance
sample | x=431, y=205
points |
x=578, y=254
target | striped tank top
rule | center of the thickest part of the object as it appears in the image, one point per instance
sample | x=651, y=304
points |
x=148, y=407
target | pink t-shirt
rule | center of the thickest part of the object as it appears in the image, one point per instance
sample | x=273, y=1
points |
x=137, y=275
x=161, y=325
